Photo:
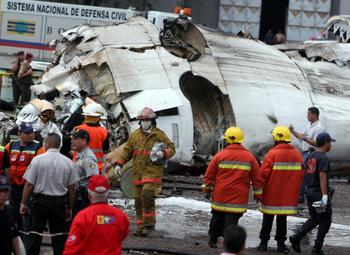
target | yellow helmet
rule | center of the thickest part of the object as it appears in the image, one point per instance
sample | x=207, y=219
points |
x=281, y=133
x=234, y=135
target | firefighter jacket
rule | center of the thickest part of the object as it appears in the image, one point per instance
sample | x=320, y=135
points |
x=98, y=229
x=98, y=135
x=138, y=147
x=282, y=175
x=20, y=158
x=230, y=172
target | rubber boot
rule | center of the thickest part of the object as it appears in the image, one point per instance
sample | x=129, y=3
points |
x=295, y=241
x=317, y=252
x=138, y=231
x=282, y=248
x=148, y=230
x=262, y=246
x=213, y=242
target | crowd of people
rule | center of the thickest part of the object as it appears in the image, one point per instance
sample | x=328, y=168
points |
x=279, y=183
x=54, y=175
x=48, y=184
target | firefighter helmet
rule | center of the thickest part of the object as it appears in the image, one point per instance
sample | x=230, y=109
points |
x=234, y=135
x=95, y=110
x=281, y=133
x=146, y=114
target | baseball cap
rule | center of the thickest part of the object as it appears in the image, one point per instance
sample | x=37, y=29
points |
x=26, y=128
x=98, y=184
x=323, y=137
x=4, y=182
x=81, y=133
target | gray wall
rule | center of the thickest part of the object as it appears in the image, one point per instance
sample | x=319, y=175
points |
x=340, y=7
x=205, y=12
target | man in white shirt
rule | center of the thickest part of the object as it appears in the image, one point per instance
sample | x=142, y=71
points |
x=308, y=139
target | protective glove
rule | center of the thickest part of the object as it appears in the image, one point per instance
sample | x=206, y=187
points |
x=160, y=154
x=206, y=188
x=322, y=203
x=118, y=170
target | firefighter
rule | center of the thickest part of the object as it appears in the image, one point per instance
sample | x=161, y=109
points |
x=147, y=167
x=282, y=174
x=229, y=175
x=21, y=152
x=99, y=138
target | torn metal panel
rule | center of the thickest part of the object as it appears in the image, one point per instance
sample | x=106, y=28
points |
x=326, y=78
x=119, y=36
x=157, y=99
x=102, y=81
x=331, y=52
x=134, y=71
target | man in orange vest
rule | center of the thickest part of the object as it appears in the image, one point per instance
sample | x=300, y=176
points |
x=282, y=174
x=229, y=174
x=99, y=138
x=21, y=154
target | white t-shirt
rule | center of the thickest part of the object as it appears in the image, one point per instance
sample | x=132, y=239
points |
x=311, y=132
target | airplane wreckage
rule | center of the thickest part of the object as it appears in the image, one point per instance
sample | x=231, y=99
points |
x=200, y=81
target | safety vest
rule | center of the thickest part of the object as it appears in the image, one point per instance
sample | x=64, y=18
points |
x=98, y=135
x=20, y=159
x=282, y=173
x=230, y=172
x=2, y=155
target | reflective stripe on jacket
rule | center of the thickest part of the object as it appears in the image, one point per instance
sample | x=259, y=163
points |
x=98, y=135
x=138, y=148
x=230, y=172
x=20, y=158
x=282, y=173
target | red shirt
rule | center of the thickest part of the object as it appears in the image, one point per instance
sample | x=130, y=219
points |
x=98, y=229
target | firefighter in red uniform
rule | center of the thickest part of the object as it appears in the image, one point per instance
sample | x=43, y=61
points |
x=21, y=154
x=229, y=174
x=99, y=140
x=282, y=174
x=99, y=228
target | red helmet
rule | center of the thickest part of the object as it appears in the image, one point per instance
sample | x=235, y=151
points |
x=146, y=113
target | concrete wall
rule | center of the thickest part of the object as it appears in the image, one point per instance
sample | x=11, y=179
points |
x=205, y=12
x=340, y=7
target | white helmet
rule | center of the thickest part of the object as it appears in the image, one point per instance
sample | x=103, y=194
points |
x=29, y=113
x=37, y=103
x=95, y=110
x=47, y=106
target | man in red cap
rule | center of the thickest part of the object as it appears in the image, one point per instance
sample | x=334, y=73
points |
x=99, y=228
